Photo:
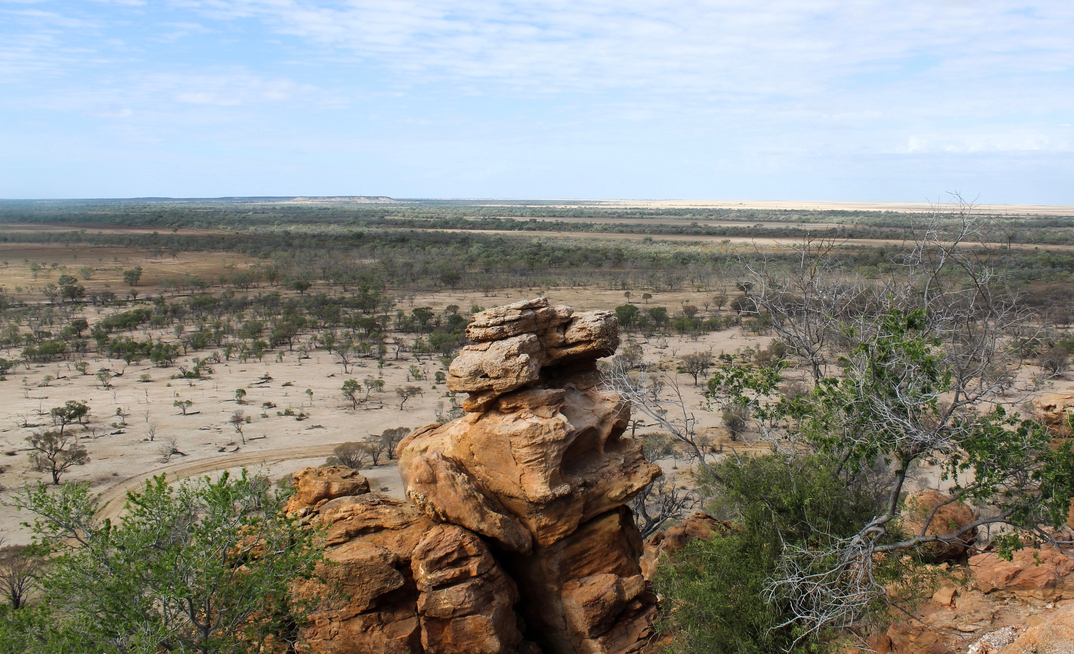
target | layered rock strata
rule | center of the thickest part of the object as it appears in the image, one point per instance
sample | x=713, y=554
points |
x=539, y=467
x=516, y=525
x=395, y=582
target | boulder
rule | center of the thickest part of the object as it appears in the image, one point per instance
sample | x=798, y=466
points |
x=316, y=485
x=514, y=342
x=947, y=519
x=499, y=366
x=1054, y=409
x=1044, y=575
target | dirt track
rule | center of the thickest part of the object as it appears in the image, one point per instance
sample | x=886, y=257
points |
x=181, y=470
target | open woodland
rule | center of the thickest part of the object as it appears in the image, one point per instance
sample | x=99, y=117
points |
x=190, y=337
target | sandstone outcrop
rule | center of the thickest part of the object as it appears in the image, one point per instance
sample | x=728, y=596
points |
x=948, y=518
x=1054, y=635
x=515, y=342
x=1044, y=574
x=316, y=485
x=395, y=582
x=539, y=467
x=515, y=524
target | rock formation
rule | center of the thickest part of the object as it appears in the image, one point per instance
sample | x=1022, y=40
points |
x=516, y=525
x=1044, y=574
x=395, y=582
x=1054, y=410
x=540, y=468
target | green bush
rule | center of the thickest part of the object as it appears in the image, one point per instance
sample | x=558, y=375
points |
x=715, y=589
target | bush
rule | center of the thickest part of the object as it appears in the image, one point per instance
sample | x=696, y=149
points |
x=715, y=589
x=198, y=566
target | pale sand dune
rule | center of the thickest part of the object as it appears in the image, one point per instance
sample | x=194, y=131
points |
x=803, y=205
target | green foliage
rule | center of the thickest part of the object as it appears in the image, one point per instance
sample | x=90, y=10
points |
x=716, y=589
x=202, y=566
x=55, y=452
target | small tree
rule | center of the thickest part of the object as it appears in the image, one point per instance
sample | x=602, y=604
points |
x=405, y=393
x=237, y=421
x=696, y=364
x=55, y=452
x=352, y=455
x=376, y=447
x=131, y=277
x=17, y=571
x=350, y=389
x=240, y=395
x=391, y=438
x=183, y=405
x=71, y=412
x=202, y=566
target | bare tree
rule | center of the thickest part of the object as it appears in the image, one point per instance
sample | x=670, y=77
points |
x=659, y=502
x=660, y=399
x=407, y=392
x=375, y=447
x=17, y=573
x=805, y=303
x=237, y=421
x=168, y=449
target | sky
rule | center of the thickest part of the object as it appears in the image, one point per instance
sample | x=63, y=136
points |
x=657, y=99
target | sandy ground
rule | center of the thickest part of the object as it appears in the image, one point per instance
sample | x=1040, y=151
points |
x=122, y=455
x=801, y=205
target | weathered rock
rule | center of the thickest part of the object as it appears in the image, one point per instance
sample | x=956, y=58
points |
x=1044, y=574
x=552, y=457
x=499, y=323
x=588, y=335
x=585, y=593
x=1054, y=409
x=540, y=468
x=466, y=602
x=1055, y=635
x=442, y=490
x=394, y=581
x=316, y=485
x=498, y=366
x=366, y=599
x=514, y=342
x=948, y=518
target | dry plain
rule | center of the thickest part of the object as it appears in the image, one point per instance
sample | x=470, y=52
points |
x=134, y=418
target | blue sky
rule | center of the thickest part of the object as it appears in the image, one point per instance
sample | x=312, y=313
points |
x=756, y=100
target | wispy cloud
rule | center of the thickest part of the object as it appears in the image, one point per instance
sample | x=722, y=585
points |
x=716, y=86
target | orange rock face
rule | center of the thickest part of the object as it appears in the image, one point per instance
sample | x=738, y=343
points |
x=393, y=581
x=515, y=521
x=947, y=519
x=1044, y=574
x=316, y=485
x=1053, y=636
